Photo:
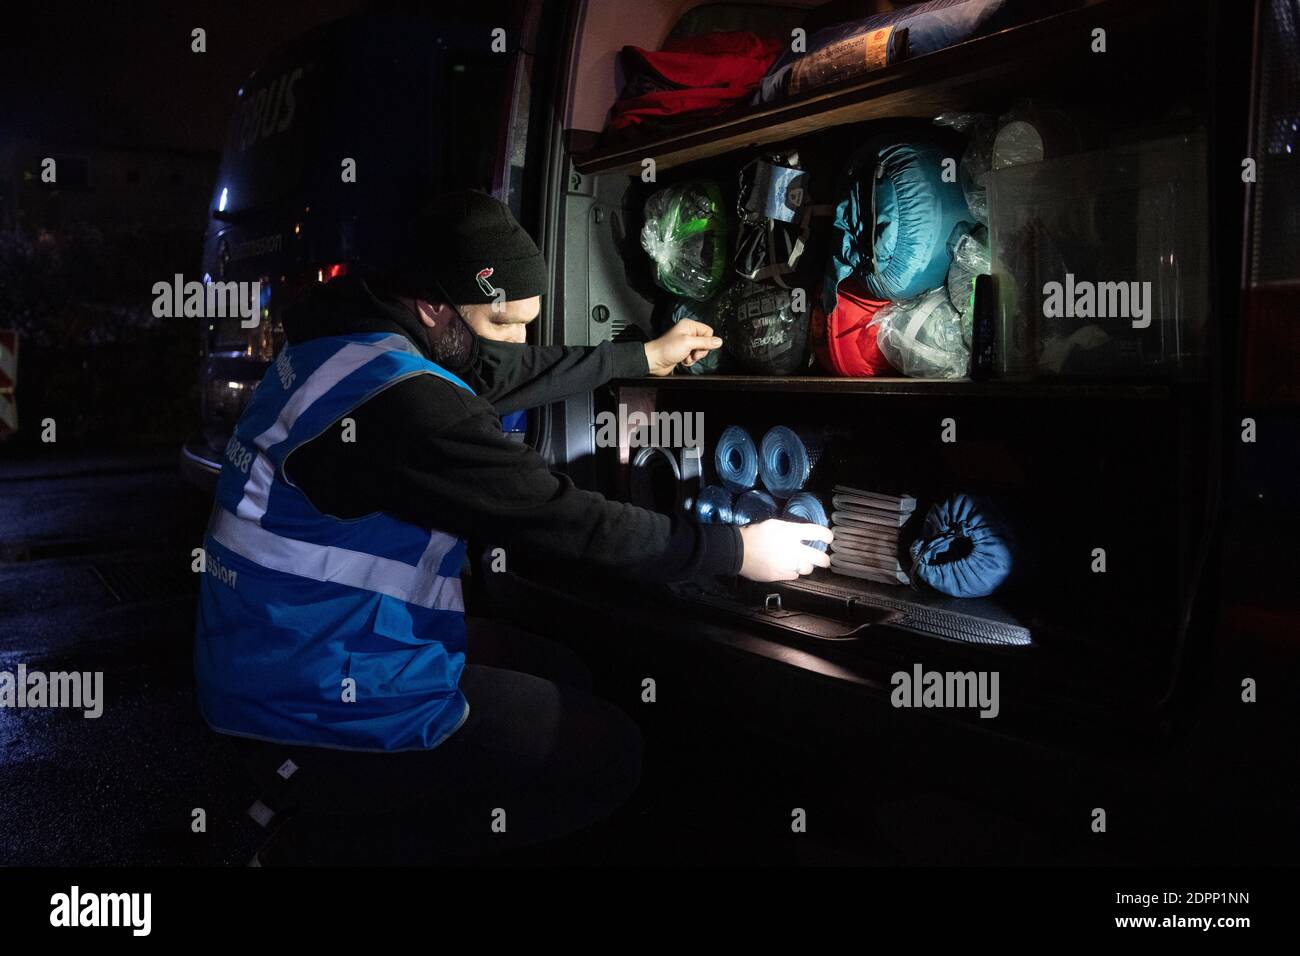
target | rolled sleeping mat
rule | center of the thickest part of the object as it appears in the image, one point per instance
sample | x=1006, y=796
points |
x=713, y=505
x=736, y=459
x=805, y=506
x=787, y=458
x=753, y=507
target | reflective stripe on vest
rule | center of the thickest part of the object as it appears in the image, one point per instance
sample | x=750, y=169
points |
x=317, y=630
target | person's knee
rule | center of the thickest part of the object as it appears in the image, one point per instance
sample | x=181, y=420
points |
x=615, y=749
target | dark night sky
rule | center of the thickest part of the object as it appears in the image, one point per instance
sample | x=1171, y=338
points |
x=122, y=73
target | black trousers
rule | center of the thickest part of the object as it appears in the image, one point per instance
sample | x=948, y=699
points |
x=538, y=758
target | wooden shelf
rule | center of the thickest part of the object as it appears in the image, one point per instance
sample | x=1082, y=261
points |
x=960, y=77
x=934, y=387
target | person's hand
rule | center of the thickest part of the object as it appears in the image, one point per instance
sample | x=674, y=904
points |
x=686, y=343
x=775, y=550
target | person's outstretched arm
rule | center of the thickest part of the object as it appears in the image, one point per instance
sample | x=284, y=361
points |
x=513, y=376
x=431, y=454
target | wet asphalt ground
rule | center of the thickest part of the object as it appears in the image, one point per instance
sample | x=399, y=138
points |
x=95, y=576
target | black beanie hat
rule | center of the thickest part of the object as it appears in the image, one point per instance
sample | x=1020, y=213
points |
x=465, y=246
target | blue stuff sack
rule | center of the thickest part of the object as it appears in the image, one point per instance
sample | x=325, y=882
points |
x=898, y=223
x=963, y=551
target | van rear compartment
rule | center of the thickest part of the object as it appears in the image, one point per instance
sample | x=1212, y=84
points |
x=1103, y=471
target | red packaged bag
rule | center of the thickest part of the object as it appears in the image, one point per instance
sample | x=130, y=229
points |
x=845, y=340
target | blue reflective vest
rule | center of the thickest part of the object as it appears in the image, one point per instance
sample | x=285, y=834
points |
x=316, y=630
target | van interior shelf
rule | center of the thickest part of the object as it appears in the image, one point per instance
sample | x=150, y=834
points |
x=897, y=385
x=957, y=78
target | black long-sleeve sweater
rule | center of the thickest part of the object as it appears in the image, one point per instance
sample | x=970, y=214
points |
x=429, y=453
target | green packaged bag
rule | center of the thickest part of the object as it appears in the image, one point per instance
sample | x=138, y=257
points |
x=685, y=233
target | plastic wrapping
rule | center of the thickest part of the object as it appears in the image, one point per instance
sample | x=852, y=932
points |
x=1102, y=261
x=713, y=505
x=980, y=129
x=736, y=459
x=970, y=258
x=766, y=334
x=753, y=507
x=786, y=459
x=807, y=507
x=923, y=338
x=685, y=233
x=1035, y=130
x=1018, y=142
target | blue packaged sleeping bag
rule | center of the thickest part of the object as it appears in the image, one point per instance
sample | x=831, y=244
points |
x=964, y=551
x=846, y=50
x=899, y=222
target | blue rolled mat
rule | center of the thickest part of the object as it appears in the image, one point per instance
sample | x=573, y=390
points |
x=787, y=458
x=713, y=505
x=736, y=459
x=754, y=506
x=805, y=506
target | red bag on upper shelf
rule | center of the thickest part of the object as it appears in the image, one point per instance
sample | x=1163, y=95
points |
x=692, y=76
x=845, y=340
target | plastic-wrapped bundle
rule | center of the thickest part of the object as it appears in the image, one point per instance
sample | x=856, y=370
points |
x=807, y=507
x=786, y=459
x=976, y=160
x=963, y=550
x=923, y=338
x=765, y=333
x=840, y=52
x=685, y=233
x=753, y=507
x=736, y=459
x=1035, y=130
x=713, y=505
x=970, y=258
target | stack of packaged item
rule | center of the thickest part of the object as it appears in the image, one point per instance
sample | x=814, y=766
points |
x=867, y=528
